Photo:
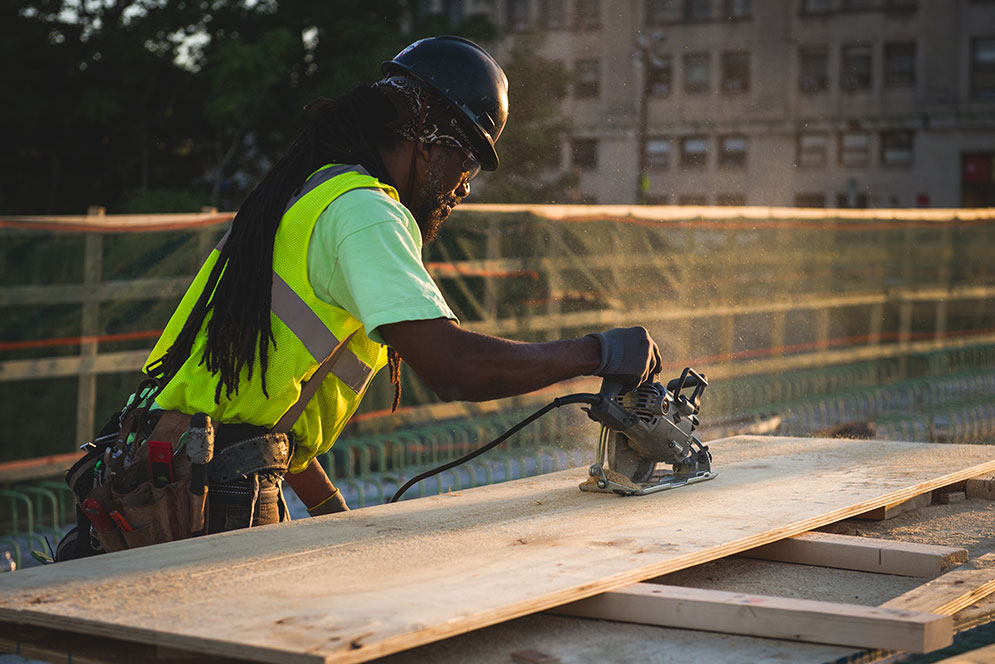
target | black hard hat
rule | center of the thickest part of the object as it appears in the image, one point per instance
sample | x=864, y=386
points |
x=469, y=78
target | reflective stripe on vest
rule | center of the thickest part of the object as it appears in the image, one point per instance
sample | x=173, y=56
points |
x=288, y=306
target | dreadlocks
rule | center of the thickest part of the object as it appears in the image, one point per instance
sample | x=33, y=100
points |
x=347, y=130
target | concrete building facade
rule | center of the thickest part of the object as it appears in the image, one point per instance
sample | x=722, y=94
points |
x=821, y=103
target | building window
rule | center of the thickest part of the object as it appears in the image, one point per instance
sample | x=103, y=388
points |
x=852, y=199
x=897, y=148
x=899, y=64
x=697, y=68
x=660, y=75
x=813, y=149
x=902, y=4
x=584, y=153
x=587, y=78
x=810, y=200
x=692, y=199
x=694, y=152
x=732, y=151
x=697, y=10
x=662, y=12
x=552, y=14
x=816, y=6
x=518, y=15
x=983, y=68
x=589, y=14
x=658, y=153
x=855, y=73
x=855, y=148
x=857, y=5
x=738, y=200
x=736, y=71
x=813, y=71
x=737, y=10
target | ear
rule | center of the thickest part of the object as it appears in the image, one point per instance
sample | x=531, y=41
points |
x=424, y=150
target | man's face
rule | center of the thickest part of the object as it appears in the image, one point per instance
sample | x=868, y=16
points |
x=444, y=184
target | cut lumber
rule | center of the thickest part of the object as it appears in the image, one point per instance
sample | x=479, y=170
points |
x=892, y=510
x=354, y=586
x=950, y=497
x=864, y=554
x=771, y=617
x=984, y=655
x=981, y=487
x=952, y=592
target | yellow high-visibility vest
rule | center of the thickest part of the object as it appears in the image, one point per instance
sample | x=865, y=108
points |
x=305, y=330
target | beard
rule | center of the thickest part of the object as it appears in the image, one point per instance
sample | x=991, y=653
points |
x=434, y=203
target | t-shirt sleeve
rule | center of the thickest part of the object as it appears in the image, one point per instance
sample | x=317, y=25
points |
x=365, y=256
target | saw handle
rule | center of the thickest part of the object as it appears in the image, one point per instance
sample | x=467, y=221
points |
x=689, y=378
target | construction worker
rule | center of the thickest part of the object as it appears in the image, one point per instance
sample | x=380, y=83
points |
x=325, y=255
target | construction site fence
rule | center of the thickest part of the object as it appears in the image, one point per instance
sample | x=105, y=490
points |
x=738, y=293
x=83, y=298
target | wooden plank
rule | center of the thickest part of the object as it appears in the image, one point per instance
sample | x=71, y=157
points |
x=950, y=497
x=358, y=585
x=981, y=487
x=55, y=367
x=48, y=645
x=952, y=592
x=152, y=288
x=864, y=554
x=892, y=510
x=770, y=617
x=985, y=655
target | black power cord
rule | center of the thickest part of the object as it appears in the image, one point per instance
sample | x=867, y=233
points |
x=556, y=403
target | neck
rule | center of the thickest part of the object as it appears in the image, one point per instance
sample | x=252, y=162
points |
x=400, y=164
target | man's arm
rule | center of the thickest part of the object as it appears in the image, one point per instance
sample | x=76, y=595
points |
x=460, y=365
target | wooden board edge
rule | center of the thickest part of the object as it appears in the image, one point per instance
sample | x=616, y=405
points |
x=864, y=554
x=953, y=591
x=891, y=510
x=770, y=617
x=56, y=632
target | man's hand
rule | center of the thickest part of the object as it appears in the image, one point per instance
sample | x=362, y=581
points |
x=628, y=355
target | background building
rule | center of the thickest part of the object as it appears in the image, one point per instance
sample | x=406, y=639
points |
x=823, y=103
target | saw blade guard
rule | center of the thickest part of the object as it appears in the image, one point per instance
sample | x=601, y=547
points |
x=645, y=429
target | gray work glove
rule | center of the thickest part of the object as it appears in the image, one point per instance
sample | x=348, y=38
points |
x=334, y=503
x=628, y=356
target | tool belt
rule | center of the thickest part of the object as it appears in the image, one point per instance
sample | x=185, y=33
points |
x=133, y=487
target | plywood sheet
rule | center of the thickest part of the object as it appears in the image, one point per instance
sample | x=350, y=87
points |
x=354, y=586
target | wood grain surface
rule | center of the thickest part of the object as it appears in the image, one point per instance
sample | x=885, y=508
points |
x=354, y=586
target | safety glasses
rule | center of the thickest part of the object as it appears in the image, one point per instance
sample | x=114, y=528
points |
x=471, y=164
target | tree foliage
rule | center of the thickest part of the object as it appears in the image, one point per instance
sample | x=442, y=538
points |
x=530, y=144
x=139, y=104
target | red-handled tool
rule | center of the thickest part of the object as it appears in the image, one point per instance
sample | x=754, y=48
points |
x=121, y=521
x=98, y=517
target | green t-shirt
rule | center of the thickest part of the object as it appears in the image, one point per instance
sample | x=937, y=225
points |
x=365, y=257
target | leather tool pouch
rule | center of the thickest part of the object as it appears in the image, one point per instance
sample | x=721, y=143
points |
x=149, y=514
x=146, y=513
